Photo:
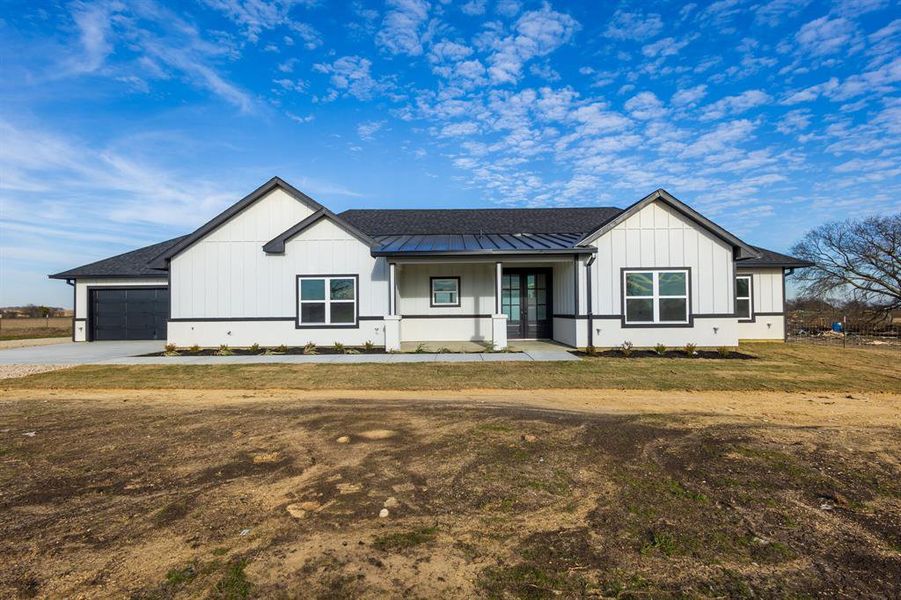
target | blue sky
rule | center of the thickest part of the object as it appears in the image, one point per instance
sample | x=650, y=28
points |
x=125, y=123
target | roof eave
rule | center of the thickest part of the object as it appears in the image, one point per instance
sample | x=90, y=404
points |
x=66, y=275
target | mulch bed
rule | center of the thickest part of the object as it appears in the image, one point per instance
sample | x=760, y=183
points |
x=293, y=350
x=702, y=354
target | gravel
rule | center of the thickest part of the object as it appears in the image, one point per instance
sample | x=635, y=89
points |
x=13, y=371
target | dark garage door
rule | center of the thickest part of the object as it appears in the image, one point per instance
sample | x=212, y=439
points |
x=129, y=313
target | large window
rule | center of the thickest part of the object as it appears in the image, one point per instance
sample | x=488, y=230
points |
x=326, y=300
x=743, y=307
x=445, y=291
x=656, y=297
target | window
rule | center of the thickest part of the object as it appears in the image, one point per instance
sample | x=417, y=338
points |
x=445, y=291
x=656, y=297
x=743, y=307
x=327, y=300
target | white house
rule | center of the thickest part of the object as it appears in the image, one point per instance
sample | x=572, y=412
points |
x=279, y=268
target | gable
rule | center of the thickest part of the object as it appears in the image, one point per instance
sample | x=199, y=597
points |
x=740, y=248
x=261, y=222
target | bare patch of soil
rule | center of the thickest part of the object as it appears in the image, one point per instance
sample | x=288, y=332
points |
x=161, y=494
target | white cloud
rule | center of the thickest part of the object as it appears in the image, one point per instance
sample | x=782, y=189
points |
x=166, y=47
x=447, y=51
x=459, y=129
x=689, y=96
x=794, y=121
x=811, y=92
x=351, y=75
x=256, y=16
x=368, y=129
x=733, y=105
x=723, y=137
x=508, y=8
x=624, y=25
x=94, y=27
x=665, y=47
x=403, y=26
x=827, y=36
x=774, y=12
x=474, y=8
x=645, y=106
x=536, y=33
x=300, y=119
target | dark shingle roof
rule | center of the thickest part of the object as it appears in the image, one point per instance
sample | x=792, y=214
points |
x=473, y=221
x=768, y=258
x=130, y=264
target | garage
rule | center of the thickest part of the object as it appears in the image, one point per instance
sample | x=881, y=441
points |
x=138, y=313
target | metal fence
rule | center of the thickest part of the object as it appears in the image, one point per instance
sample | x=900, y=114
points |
x=843, y=331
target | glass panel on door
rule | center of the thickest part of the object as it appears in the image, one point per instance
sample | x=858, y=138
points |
x=510, y=297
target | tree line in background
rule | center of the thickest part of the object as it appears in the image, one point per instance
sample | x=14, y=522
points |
x=857, y=272
x=32, y=311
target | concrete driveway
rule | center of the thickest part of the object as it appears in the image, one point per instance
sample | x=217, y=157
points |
x=71, y=353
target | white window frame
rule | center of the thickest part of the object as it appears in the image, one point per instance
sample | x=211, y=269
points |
x=327, y=281
x=655, y=297
x=749, y=298
x=433, y=303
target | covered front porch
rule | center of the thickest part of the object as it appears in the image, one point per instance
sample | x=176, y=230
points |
x=487, y=303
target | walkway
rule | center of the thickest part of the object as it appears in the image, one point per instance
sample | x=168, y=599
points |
x=129, y=353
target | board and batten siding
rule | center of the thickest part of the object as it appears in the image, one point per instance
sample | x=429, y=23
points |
x=767, y=295
x=657, y=236
x=226, y=275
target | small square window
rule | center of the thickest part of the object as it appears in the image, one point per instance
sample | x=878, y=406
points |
x=445, y=291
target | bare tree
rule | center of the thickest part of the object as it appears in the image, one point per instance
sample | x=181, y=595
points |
x=856, y=259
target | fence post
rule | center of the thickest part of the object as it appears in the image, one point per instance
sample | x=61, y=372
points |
x=845, y=331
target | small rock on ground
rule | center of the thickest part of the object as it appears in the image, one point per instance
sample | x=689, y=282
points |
x=343, y=439
x=383, y=513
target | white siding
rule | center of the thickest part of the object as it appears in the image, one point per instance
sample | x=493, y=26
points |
x=228, y=276
x=767, y=294
x=476, y=288
x=477, y=282
x=82, y=310
x=658, y=237
x=705, y=332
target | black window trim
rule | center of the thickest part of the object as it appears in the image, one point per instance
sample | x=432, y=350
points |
x=432, y=291
x=356, y=322
x=753, y=317
x=653, y=325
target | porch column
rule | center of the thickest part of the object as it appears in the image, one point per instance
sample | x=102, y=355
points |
x=498, y=282
x=498, y=319
x=392, y=320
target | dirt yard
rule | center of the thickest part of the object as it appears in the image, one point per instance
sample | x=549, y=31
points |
x=22, y=329
x=538, y=494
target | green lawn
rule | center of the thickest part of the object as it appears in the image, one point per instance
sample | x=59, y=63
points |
x=776, y=367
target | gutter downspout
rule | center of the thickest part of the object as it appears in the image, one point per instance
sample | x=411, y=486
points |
x=590, y=311
x=74, y=301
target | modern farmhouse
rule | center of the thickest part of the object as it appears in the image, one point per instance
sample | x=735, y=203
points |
x=279, y=268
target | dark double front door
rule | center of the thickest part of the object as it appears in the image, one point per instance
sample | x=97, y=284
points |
x=526, y=300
